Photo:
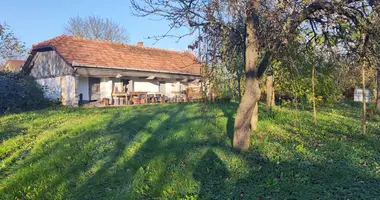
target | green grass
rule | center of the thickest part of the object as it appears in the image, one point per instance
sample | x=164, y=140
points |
x=183, y=151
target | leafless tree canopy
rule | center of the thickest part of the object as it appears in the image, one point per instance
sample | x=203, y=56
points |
x=10, y=46
x=95, y=27
x=277, y=20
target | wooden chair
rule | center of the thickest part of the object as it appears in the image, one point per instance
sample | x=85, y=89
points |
x=135, y=100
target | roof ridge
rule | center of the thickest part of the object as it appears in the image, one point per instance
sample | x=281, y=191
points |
x=59, y=38
x=126, y=44
x=162, y=49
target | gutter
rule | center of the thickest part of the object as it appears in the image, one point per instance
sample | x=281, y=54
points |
x=132, y=69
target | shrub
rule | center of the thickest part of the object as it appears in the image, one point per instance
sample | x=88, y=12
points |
x=19, y=92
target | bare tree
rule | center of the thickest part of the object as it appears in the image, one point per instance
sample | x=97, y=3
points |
x=10, y=46
x=95, y=27
x=270, y=25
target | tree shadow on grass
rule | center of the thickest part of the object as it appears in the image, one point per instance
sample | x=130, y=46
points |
x=71, y=157
x=146, y=155
x=229, y=111
x=211, y=172
x=170, y=143
x=115, y=175
x=152, y=170
x=292, y=179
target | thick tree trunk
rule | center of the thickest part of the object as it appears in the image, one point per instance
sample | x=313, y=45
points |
x=313, y=88
x=241, y=140
x=378, y=90
x=270, y=92
x=244, y=117
x=364, y=120
x=239, y=86
x=255, y=117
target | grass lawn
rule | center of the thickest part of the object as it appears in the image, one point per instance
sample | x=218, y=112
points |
x=183, y=151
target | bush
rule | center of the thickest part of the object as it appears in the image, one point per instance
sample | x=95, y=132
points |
x=19, y=92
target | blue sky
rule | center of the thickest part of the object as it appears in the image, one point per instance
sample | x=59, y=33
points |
x=34, y=21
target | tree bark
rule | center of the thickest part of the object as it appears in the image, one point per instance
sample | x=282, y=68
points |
x=244, y=117
x=255, y=117
x=270, y=92
x=241, y=140
x=378, y=90
x=239, y=86
x=364, y=120
x=313, y=88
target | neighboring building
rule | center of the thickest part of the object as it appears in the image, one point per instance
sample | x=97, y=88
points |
x=358, y=95
x=13, y=65
x=69, y=67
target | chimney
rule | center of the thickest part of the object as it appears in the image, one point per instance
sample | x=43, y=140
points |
x=140, y=44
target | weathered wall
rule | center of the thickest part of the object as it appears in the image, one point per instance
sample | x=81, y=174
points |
x=51, y=87
x=69, y=88
x=83, y=88
x=56, y=77
x=62, y=88
x=49, y=64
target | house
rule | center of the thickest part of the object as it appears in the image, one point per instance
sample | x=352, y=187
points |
x=73, y=68
x=13, y=65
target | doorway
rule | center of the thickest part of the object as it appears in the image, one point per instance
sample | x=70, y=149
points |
x=94, y=88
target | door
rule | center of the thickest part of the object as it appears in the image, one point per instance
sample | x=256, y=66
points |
x=94, y=88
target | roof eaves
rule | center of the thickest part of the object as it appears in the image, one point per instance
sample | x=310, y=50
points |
x=42, y=47
x=133, y=69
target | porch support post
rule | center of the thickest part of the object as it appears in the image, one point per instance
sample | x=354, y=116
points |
x=76, y=89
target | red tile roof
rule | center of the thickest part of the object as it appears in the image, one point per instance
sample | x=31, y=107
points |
x=14, y=65
x=88, y=52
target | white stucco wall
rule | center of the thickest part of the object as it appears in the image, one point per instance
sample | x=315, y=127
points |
x=68, y=90
x=83, y=88
x=106, y=88
x=169, y=87
x=358, y=95
x=60, y=88
x=51, y=87
x=174, y=86
x=146, y=86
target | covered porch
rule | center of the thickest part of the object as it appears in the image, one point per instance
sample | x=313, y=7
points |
x=115, y=86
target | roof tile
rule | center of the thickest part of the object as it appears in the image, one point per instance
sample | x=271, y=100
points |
x=90, y=52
